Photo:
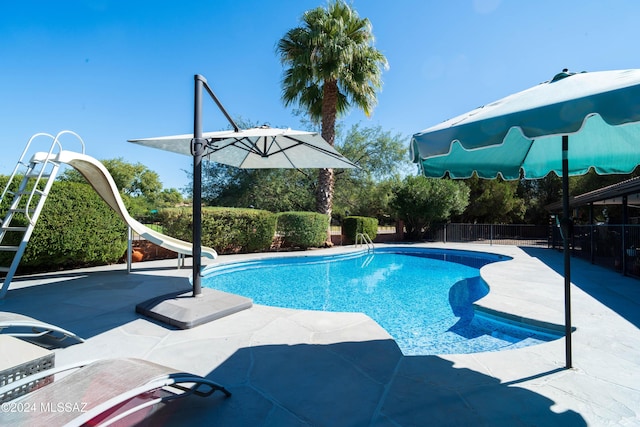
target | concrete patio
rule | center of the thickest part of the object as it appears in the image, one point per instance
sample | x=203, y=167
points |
x=306, y=368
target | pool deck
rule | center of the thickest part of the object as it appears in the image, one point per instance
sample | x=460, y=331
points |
x=305, y=368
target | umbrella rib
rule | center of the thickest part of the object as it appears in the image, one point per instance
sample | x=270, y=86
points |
x=282, y=150
x=319, y=149
x=525, y=156
x=267, y=150
x=240, y=143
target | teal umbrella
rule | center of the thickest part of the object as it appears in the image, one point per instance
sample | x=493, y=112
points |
x=567, y=125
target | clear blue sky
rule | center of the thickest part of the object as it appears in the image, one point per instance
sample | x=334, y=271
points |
x=113, y=70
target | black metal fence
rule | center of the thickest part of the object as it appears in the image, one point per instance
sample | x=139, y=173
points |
x=499, y=234
x=615, y=246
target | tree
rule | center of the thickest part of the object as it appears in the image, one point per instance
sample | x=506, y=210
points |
x=379, y=154
x=366, y=198
x=131, y=179
x=420, y=201
x=383, y=159
x=493, y=201
x=537, y=194
x=169, y=197
x=275, y=190
x=331, y=65
x=219, y=181
x=139, y=186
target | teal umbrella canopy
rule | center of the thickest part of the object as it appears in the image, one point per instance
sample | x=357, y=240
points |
x=568, y=125
x=520, y=135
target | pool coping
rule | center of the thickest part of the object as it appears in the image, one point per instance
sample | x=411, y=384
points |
x=523, y=289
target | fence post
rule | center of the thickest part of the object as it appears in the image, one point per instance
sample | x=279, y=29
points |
x=491, y=234
x=129, y=247
x=592, y=242
x=625, y=220
x=624, y=250
x=399, y=231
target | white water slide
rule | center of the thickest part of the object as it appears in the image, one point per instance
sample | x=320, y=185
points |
x=101, y=180
x=30, y=183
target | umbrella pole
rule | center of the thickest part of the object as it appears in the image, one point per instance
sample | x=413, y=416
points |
x=566, y=224
x=197, y=149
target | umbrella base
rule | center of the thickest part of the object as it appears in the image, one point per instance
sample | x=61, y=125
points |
x=185, y=311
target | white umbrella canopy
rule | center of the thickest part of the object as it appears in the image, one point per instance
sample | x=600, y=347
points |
x=526, y=135
x=258, y=148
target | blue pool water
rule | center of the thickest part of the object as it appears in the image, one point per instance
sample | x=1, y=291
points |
x=422, y=297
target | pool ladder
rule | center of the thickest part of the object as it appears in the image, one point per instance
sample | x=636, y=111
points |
x=364, y=239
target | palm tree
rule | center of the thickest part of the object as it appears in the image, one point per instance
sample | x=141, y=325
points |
x=331, y=65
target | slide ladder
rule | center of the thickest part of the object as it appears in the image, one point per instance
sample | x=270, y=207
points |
x=36, y=177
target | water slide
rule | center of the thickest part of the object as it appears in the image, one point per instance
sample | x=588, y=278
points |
x=101, y=180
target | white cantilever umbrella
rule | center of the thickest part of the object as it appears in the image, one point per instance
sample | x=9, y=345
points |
x=527, y=135
x=256, y=148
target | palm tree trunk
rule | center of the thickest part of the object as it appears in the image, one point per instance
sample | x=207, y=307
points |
x=324, y=191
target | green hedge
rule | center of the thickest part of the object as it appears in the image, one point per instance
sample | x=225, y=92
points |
x=227, y=230
x=302, y=229
x=76, y=228
x=353, y=225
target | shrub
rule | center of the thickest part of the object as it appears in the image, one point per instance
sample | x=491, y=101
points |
x=302, y=229
x=353, y=225
x=176, y=222
x=227, y=230
x=76, y=228
x=420, y=201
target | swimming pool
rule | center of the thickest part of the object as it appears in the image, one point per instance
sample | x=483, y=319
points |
x=423, y=297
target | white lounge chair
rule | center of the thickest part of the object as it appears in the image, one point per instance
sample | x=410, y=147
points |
x=21, y=326
x=102, y=392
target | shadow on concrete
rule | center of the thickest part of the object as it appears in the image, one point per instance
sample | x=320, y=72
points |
x=619, y=293
x=359, y=384
x=91, y=303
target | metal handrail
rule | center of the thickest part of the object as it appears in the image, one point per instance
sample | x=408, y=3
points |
x=56, y=145
x=50, y=159
x=364, y=239
x=21, y=162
